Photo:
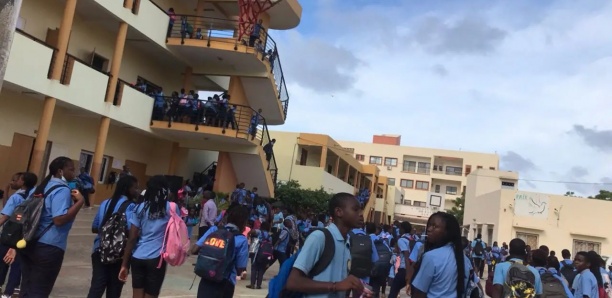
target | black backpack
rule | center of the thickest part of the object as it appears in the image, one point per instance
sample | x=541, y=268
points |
x=383, y=265
x=265, y=253
x=478, y=248
x=551, y=286
x=113, y=233
x=411, y=242
x=361, y=255
x=23, y=223
x=569, y=272
x=216, y=258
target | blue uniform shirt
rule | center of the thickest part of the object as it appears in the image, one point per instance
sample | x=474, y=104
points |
x=152, y=232
x=437, y=276
x=14, y=201
x=97, y=222
x=57, y=204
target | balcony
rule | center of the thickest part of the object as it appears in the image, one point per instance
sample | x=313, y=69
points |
x=212, y=47
x=413, y=213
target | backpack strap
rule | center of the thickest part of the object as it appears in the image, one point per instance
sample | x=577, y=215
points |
x=23, y=195
x=329, y=250
x=110, y=207
x=45, y=195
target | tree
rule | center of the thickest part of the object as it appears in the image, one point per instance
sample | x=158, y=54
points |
x=457, y=210
x=603, y=195
x=569, y=194
x=293, y=196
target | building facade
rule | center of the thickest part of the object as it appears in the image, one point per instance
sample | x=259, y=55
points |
x=427, y=179
x=94, y=80
x=497, y=209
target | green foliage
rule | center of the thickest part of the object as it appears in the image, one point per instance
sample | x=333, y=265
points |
x=292, y=196
x=569, y=194
x=603, y=195
x=220, y=196
x=457, y=210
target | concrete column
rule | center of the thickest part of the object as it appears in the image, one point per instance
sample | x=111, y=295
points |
x=9, y=13
x=174, y=158
x=323, y=161
x=116, y=62
x=187, y=82
x=96, y=167
x=337, y=168
x=471, y=235
x=129, y=4
x=42, y=135
x=199, y=22
x=346, y=174
x=485, y=234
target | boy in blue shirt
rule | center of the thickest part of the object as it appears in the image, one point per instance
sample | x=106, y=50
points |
x=518, y=254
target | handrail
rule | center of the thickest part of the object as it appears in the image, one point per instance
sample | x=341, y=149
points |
x=283, y=94
x=159, y=7
x=34, y=38
x=208, y=167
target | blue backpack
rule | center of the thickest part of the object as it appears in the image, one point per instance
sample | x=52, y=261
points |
x=276, y=288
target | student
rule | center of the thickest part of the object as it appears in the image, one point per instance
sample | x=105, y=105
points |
x=478, y=251
x=280, y=246
x=191, y=221
x=373, y=254
x=258, y=270
x=148, y=227
x=567, y=268
x=551, y=265
x=236, y=218
x=403, y=245
x=443, y=270
x=333, y=281
x=24, y=184
x=377, y=282
x=585, y=285
x=42, y=260
x=105, y=277
x=518, y=254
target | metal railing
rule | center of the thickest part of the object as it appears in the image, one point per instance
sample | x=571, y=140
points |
x=226, y=31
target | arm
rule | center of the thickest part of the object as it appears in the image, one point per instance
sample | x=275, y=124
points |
x=498, y=282
x=62, y=202
x=96, y=222
x=242, y=258
x=127, y=254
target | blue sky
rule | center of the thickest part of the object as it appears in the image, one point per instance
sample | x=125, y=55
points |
x=530, y=80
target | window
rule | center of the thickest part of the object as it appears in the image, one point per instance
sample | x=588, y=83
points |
x=479, y=167
x=391, y=181
x=419, y=204
x=437, y=188
x=507, y=184
x=86, y=161
x=530, y=239
x=438, y=168
x=375, y=160
x=407, y=202
x=360, y=157
x=405, y=183
x=492, y=168
x=423, y=185
x=453, y=171
x=451, y=190
x=468, y=169
x=583, y=245
x=390, y=162
x=424, y=168
x=409, y=166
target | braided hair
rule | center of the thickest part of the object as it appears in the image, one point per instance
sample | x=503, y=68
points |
x=155, y=197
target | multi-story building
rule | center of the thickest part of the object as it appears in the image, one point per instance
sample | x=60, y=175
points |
x=93, y=80
x=318, y=161
x=497, y=209
x=426, y=179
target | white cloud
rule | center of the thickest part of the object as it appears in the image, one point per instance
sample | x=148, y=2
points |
x=513, y=86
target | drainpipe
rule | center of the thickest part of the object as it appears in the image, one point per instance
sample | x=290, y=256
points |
x=9, y=13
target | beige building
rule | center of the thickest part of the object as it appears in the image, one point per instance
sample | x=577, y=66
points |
x=83, y=76
x=497, y=209
x=426, y=179
x=318, y=161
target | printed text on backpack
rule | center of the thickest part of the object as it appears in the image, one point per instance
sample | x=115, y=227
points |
x=216, y=258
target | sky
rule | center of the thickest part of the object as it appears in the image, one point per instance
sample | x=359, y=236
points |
x=528, y=80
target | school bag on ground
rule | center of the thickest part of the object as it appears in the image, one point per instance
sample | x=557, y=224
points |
x=361, y=255
x=472, y=290
x=113, y=233
x=23, y=223
x=265, y=253
x=276, y=287
x=216, y=257
x=478, y=248
x=519, y=281
x=551, y=286
x=383, y=265
x=569, y=272
x=176, y=243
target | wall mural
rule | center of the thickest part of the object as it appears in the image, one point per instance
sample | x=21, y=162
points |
x=531, y=205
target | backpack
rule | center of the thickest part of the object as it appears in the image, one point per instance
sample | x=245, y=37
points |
x=23, y=223
x=383, y=265
x=113, y=233
x=236, y=197
x=519, y=282
x=551, y=286
x=216, y=258
x=361, y=255
x=478, y=248
x=276, y=287
x=265, y=252
x=411, y=242
x=472, y=290
x=176, y=243
x=569, y=272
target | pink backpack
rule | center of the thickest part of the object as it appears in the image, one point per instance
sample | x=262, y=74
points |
x=176, y=243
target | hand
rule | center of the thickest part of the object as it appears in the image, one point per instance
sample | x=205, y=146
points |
x=408, y=288
x=351, y=282
x=123, y=274
x=9, y=258
x=367, y=293
x=76, y=195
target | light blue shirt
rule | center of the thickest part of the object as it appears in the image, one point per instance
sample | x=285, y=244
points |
x=14, y=201
x=152, y=232
x=414, y=254
x=97, y=222
x=241, y=249
x=283, y=241
x=586, y=285
x=484, y=246
x=437, y=276
x=501, y=270
x=57, y=204
x=313, y=250
x=278, y=217
x=374, y=251
x=565, y=262
x=404, y=245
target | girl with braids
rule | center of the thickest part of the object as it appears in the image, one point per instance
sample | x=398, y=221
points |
x=105, y=276
x=24, y=183
x=443, y=270
x=143, y=250
x=41, y=261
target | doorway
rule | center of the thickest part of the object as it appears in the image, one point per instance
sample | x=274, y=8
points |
x=99, y=63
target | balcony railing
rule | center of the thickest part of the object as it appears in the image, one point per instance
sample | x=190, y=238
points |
x=243, y=120
x=226, y=31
